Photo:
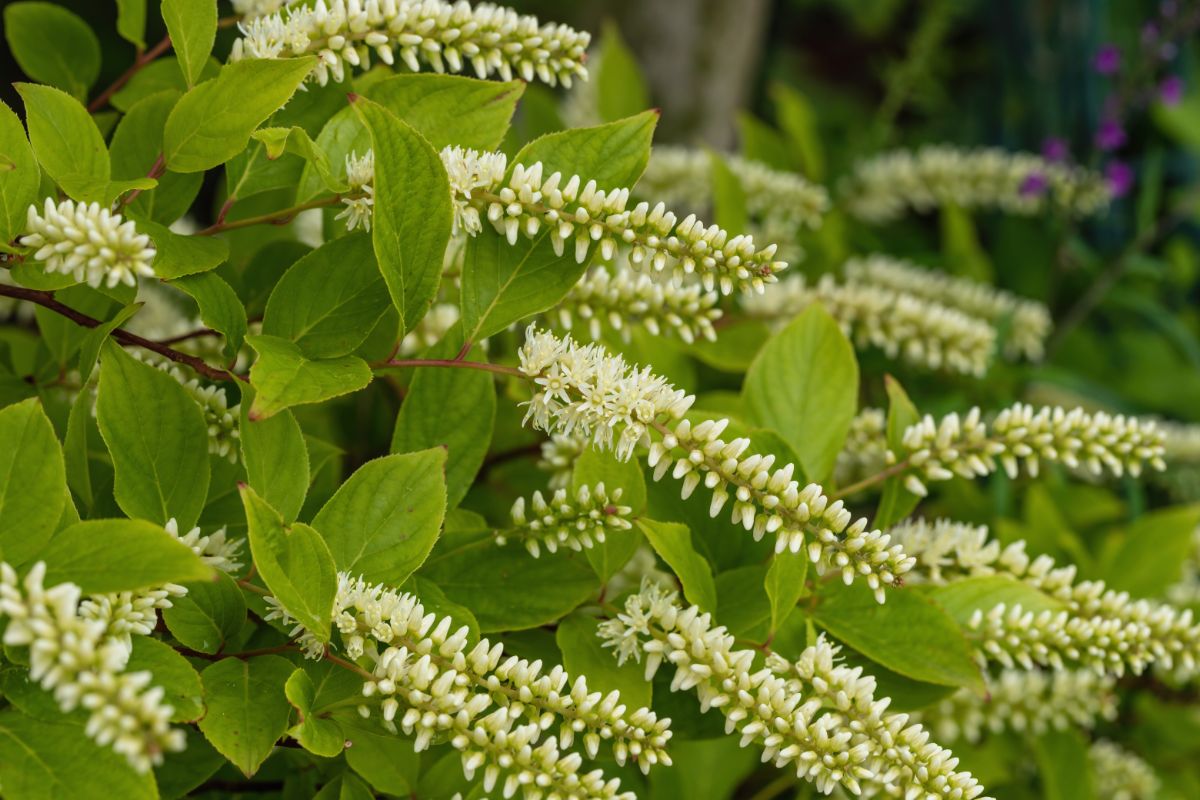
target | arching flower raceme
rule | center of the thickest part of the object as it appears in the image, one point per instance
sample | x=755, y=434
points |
x=1026, y=436
x=904, y=326
x=359, y=201
x=865, y=450
x=1028, y=321
x=816, y=718
x=76, y=659
x=430, y=682
x=576, y=522
x=492, y=39
x=585, y=390
x=1026, y=701
x=88, y=242
x=1118, y=774
x=1082, y=623
x=884, y=187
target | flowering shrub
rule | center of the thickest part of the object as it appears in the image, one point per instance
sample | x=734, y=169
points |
x=355, y=442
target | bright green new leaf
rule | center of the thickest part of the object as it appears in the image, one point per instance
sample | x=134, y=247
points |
x=621, y=89
x=673, y=542
x=583, y=653
x=214, y=120
x=120, y=555
x=66, y=141
x=318, y=734
x=53, y=45
x=33, y=481
x=131, y=22
x=729, y=198
x=172, y=673
x=136, y=146
x=329, y=318
x=1064, y=767
x=211, y=614
x=804, y=384
x=897, y=502
x=276, y=459
x=385, y=518
x=412, y=219
x=19, y=176
x=157, y=437
x=247, y=708
x=283, y=376
x=294, y=562
x=178, y=255
x=192, y=25
x=1154, y=550
x=964, y=597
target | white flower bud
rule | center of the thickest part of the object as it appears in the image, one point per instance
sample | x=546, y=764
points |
x=88, y=242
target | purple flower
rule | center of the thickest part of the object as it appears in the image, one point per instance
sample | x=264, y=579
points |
x=1170, y=91
x=1120, y=178
x=1110, y=135
x=1055, y=149
x=1108, y=60
x=1034, y=185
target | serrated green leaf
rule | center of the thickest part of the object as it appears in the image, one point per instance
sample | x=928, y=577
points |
x=785, y=585
x=247, y=709
x=294, y=562
x=804, y=384
x=385, y=760
x=135, y=147
x=213, y=121
x=172, y=673
x=583, y=653
x=93, y=340
x=673, y=542
x=965, y=596
x=318, y=735
x=66, y=141
x=53, y=45
x=220, y=308
x=157, y=437
x=192, y=25
x=385, y=518
x=284, y=377
x=295, y=140
x=1154, y=550
x=119, y=555
x=211, y=614
x=131, y=22
x=76, y=451
x=178, y=255
x=276, y=459
x=33, y=481
x=19, y=177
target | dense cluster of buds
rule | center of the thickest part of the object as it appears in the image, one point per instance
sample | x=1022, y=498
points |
x=902, y=325
x=492, y=707
x=813, y=716
x=88, y=242
x=884, y=187
x=558, y=457
x=1025, y=701
x=576, y=522
x=345, y=33
x=865, y=450
x=1028, y=322
x=1121, y=775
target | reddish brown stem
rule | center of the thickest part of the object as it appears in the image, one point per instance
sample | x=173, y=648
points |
x=138, y=63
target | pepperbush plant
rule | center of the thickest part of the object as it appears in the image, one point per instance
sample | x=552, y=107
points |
x=354, y=443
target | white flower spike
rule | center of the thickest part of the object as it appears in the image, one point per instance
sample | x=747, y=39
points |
x=88, y=242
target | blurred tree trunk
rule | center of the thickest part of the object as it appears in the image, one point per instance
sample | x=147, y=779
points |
x=700, y=58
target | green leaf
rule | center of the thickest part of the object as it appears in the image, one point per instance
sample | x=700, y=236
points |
x=583, y=653
x=178, y=255
x=729, y=198
x=450, y=408
x=94, y=339
x=960, y=244
x=804, y=384
x=192, y=25
x=673, y=542
x=276, y=459
x=19, y=176
x=211, y=614
x=507, y=590
x=294, y=562
x=1063, y=764
x=620, y=87
x=53, y=45
x=316, y=734
x=50, y=760
x=120, y=555
x=964, y=597
x=283, y=376
x=505, y=283
x=213, y=121
x=172, y=673
x=799, y=123
x=131, y=22
x=909, y=634
x=785, y=585
x=593, y=467
x=220, y=308
x=435, y=602
x=295, y=140
x=33, y=481
x=329, y=318
x=66, y=141
x=385, y=760
x=247, y=708
x=76, y=449
x=412, y=219
x=346, y=786
x=897, y=502
x=1153, y=552
x=135, y=147
x=742, y=604
x=159, y=75
x=385, y=518
x=157, y=437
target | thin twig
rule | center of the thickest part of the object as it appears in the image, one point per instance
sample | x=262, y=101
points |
x=141, y=61
x=273, y=218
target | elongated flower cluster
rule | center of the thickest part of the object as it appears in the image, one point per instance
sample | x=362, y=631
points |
x=1024, y=436
x=558, y=457
x=222, y=420
x=814, y=717
x=359, y=201
x=1118, y=774
x=778, y=200
x=469, y=173
x=578, y=523
x=1025, y=701
x=573, y=209
x=429, y=681
x=1028, y=321
x=624, y=299
x=446, y=36
x=1084, y=623
x=883, y=188
x=74, y=658
x=88, y=242
x=901, y=325
x=865, y=450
